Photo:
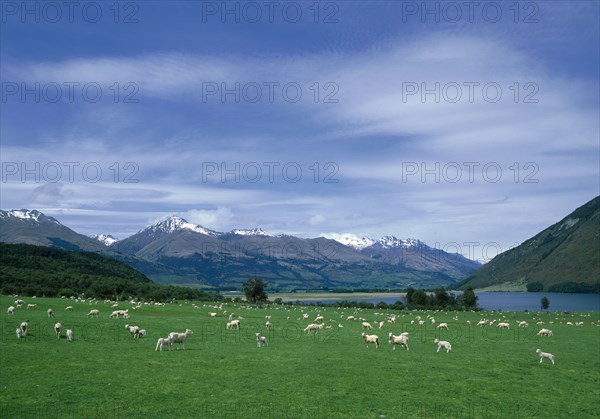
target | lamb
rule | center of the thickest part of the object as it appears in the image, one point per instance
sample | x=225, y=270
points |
x=30, y=306
x=443, y=343
x=319, y=318
x=305, y=316
x=350, y=318
x=545, y=332
x=24, y=326
x=50, y=313
x=267, y=317
x=366, y=325
x=523, y=324
x=10, y=310
x=401, y=340
x=70, y=335
x=142, y=333
x=370, y=339
x=19, y=303
x=57, y=329
x=545, y=355
x=268, y=325
x=260, y=340
x=503, y=325
x=19, y=333
x=179, y=337
x=94, y=313
x=161, y=341
x=443, y=326
x=134, y=330
x=69, y=308
x=381, y=325
x=213, y=314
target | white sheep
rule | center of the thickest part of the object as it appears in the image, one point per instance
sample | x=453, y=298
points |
x=24, y=326
x=370, y=339
x=18, y=332
x=545, y=355
x=69, y=308
x=351, y=318
x=366, y=325
x=260, y=340
x=213, y=314
x=19, y=303
x=267, y=317
x=161, y=341
x=523, y=324
x=234, y=324
x=268, y=325
x=319, y=318
x=313, y=326
x=57, y=329
x=443, y=326
x=443, y=343
x=134, y=330
x=94, y=313
x=10, y=310
x=70, y=335
x=30, y=306
x=142, y=333
x=401, y=340
x=180, y=337
x=545, y=332
x=503, y=325
x=50, y=313
x=381, y=325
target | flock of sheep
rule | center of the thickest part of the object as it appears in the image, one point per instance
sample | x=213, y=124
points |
x=318, y=324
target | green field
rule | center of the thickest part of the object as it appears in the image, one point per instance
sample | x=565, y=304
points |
x=105, y=373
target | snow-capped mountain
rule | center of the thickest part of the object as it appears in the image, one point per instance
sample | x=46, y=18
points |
x=24, y=214
x=107, y=239
x=386, y=242
x=175, y=223
x=251, y=232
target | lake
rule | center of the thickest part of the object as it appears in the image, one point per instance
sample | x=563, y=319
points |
x=511, y=301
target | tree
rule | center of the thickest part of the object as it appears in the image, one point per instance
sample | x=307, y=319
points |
x=254, y=289
x=545, y=303
x=468, y=298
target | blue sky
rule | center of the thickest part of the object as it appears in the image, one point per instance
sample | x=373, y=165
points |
x=422, y=120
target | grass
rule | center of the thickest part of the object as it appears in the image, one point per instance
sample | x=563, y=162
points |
x=222, y=374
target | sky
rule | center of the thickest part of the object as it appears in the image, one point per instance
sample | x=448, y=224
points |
x=470, y=126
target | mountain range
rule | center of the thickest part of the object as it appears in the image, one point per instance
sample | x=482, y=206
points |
x=176, y=251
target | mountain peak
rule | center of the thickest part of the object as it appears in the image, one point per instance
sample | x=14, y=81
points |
x=386, y=242
x=107, y=239
x=355, y=241
x=25, y=214
x=176, y=223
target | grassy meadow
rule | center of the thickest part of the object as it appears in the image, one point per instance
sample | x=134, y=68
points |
x=105, y=373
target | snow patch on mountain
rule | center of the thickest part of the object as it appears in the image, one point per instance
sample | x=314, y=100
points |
x=107, y=239
x=386, y=242
x=251, y=232
x=24, y=214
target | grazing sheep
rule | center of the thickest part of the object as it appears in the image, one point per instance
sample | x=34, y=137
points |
x=142, y=333
x=180, y=337
x=401, y=340
x=57, y=329
x=30, y=306
x=305, y=316
x=313, y=326
x=50, y=313
x=19, y=333
x=370, y=339
x=69, y=308
x=234, y=324
x=319, y=318
x=267, y=317
x=260, y=340
x=503, y=326
x=545, y=355
x=366, y=325
x=94, y=313
x=10, y=310
x=213, y=314
x=268, y=325
x=19, y=303
x=24, y=326
x=523, y=324
x=381, y=325
x=134, y=330
x=443, y=326
x=161, y=341
x=70, y=335
x=545, y=332
x=443, y=343
x=351, y=318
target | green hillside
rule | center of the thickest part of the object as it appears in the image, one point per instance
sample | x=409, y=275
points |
x=47, y=271
x=565, y=257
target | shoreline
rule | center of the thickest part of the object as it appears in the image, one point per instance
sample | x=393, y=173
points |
x=319, y=296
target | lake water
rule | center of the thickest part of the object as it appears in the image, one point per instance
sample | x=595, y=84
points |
x=512, y=301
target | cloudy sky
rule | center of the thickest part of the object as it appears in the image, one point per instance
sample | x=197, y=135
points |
x=449, y=122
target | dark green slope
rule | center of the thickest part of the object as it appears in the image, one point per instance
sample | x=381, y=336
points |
x=564, y=254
